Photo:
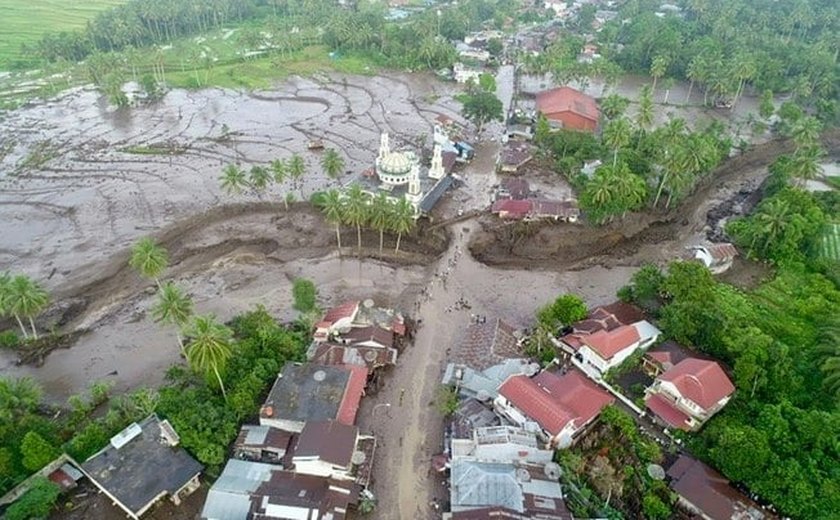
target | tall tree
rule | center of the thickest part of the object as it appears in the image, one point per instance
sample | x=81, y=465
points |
x=658, y=67
x=149, y=259
x=380, y=216
x=356, y=210
x=173, y=307
x=332, y=163
x=333, y=208
x=614, y=105
x=24, y=299
x=482, y=107
x=617, y=134
x=402, y=220
x=644, y=117
x=279, y=169
x=210, y=347
x=233, y=179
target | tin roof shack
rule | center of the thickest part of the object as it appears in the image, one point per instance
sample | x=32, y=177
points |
x=141, y=465
x=334, y=450
x=717, y=257
x=264, y=444
x=313, y=392
x=514, y=155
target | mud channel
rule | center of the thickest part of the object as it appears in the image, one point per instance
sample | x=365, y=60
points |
x=73, y=198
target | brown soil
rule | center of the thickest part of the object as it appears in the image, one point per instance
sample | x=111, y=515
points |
x=545, y=245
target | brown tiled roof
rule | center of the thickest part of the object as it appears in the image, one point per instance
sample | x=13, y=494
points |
x=330, y=441
x=554, y=208
x=710, y=491
x=625, y=313
x=487, y=344
x=370, y=357
x=722, y=252
x=515, y=154
x=511, y=208
x=703, y=382
x=448, y=159
x=567, y=99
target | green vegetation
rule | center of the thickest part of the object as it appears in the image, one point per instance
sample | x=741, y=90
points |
x=565, y=310
x=149, y=259
x=21, y=297
x=481, y=107
x=358, y=209
x=447, y=400
x=304, y=294
x=24, y=23
x=777, y=434
x=35, y=503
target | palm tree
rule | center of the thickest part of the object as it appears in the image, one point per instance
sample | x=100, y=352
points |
x=148, y=259
x=333, y=208
x=773, y=220
x=210, y=347
x=233, y=179
x=402, y=220
x=644, y=118
x=5, y=295
x=22, y=298
x=296, y=169
x=630, y=189
x=280, y=170
x=614, y=105
x=806, y=131
x=804, y=164
x=259, y=177
x=617, y=135
x=380, y=216
x=829, y=348
x=657, y=69
x=173, y=308
x=694, y=72
x=332, y=163
x=356, y=210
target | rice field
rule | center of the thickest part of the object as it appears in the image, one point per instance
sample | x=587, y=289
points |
x=25, y=21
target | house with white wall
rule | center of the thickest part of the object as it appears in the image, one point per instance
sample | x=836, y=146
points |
x=690, y=393
x=604, y=349
x=555, y=407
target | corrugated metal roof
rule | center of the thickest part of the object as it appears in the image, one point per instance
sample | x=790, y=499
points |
x=230, y=496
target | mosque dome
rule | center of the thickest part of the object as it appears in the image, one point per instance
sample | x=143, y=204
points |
x=395, y=163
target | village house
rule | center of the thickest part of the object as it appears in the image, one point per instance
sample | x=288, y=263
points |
x=689, y=393
x=248, y=489
x=514, y=155
x=491, y=489
x=515, y=188
x=561, y=9
x=143, y=464
x=717, y=257
x=570, y=109
x=334, y=450
x=264, y=444
x=473, y=51
x=557, y=407
x=602, y=341
x=311, y=392
x=483, y=384
x=501, y=444
x=339, y=324
x=706, y=493
x=536, y=209
x=470, y=415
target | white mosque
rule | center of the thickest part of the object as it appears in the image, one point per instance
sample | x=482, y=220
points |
x=399, y=174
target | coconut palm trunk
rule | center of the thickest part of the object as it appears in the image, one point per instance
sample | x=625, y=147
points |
x=381, y=239
x=34, y=331
x=359, y=237
x=221, y=385
x=397, y=249
x=22, y=328
x=338, y=236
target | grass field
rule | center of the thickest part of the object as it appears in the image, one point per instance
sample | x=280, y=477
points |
x=25, y=21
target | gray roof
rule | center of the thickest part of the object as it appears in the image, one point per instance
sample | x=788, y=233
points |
x=475, y=382
x=230, y=496
x=142, y=467
x=434, y=195
x=307, y=392
x=480, y=484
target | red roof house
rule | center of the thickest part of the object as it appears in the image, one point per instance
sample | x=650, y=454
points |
x=336, y=318
x=512, y=209
x=688, y=394
x=569, y=108
x=560, y=406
